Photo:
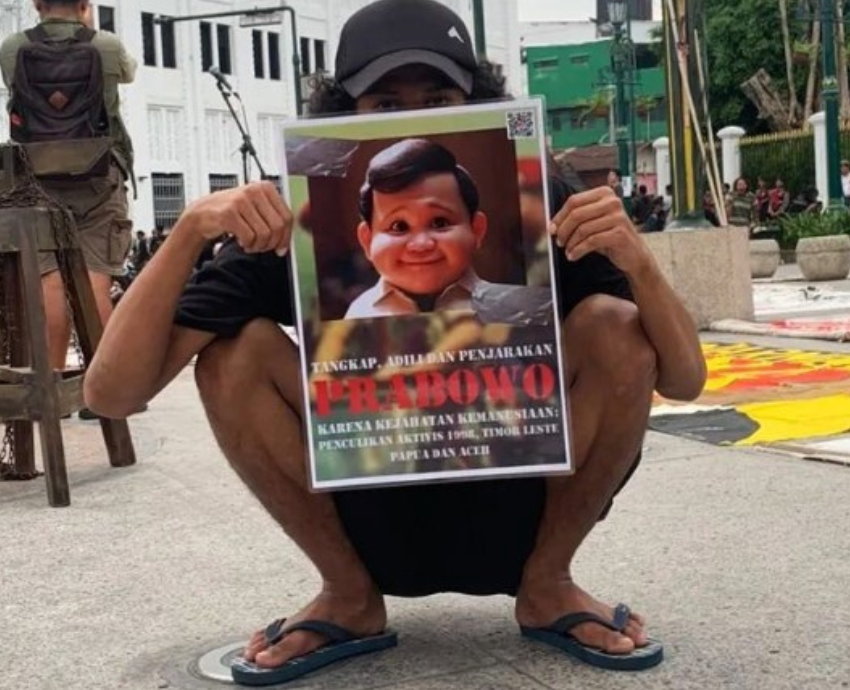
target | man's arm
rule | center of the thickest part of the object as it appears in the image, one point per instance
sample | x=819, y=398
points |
x=127, y=65
x=594, y=221
x=142, y=349
x=8, y=54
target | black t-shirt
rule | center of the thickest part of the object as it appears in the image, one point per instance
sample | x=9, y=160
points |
x=472, y=537
x=237, y=287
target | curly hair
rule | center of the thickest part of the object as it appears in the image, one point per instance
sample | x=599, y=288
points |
x=329, y=98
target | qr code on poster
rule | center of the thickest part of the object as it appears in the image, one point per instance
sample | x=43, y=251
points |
x=522, y=124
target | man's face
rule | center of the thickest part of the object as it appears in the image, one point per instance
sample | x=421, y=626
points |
x=845, y=169
x=409, y=88
x=421, y=239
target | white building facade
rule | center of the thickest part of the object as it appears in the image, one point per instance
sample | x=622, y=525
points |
x=185, y=139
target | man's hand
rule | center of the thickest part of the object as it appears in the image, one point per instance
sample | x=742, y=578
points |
x=596, y=221
x=254, y=214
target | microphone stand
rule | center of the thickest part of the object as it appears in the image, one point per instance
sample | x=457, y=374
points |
x=247, y=149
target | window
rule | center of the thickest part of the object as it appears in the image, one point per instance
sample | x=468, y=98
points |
x=167, y=136
x=224, y=61
x=267, y=140
x=148, y=39
x=259, y=63
x=222, y=139
x=639, y=10
x=218, y=183
x=169, y=47
x=579, y=59
x=169, y=198
x=579, y=120
x=546, y=63
x=106, y=18
x=646, y=57
x=274, y=56
x=260, y=39
x=216, y=44
x=167, y=42
x=305, y=56
x=319, y=55
x=206, y=46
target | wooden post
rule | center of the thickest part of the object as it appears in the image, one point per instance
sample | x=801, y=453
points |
x=53, y=451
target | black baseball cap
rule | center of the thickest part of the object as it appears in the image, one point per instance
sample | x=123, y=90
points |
x=389, y=34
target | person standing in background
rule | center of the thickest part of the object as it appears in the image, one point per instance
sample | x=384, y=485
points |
x=85, y=105
x=741, y=205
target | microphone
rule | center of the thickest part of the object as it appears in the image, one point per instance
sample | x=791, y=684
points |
x=220, y=78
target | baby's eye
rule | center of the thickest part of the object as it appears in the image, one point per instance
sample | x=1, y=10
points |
x=437, y=101
x=386, y=104
x=399, y=227
x=440, y=223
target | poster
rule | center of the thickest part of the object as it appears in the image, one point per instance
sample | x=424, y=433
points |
x=425, y=302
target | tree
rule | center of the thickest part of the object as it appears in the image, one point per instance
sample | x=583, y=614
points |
x=793, y=102
x=841, y=49
x=814, y=63
x=783, y=40
x=741, y=38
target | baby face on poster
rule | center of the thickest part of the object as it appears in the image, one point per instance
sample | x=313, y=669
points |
x=421, y=225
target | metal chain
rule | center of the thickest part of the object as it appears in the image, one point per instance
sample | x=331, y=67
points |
x=27, y=192
x=6, y=325
x=75, y=342
x=6, y=464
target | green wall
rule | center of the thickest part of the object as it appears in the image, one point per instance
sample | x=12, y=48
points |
x=570, y=77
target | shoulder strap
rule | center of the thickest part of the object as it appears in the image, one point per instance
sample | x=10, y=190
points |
x=85, y=34
x=37, y=34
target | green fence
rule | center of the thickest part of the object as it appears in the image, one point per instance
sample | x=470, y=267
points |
x=787, y=155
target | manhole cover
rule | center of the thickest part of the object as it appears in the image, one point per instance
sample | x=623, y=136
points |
x=215, y=665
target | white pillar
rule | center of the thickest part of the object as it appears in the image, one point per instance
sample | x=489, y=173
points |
x=731, y=138
x=818, y=123
x=662, y=164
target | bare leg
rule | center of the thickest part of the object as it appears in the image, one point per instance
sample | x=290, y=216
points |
x=251, y=392
x=101, y=284
x=56, y=312
x=58, y=321
x=612, y=375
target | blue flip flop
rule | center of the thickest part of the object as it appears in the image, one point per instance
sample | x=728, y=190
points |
x=558, y=635
x=342, y=644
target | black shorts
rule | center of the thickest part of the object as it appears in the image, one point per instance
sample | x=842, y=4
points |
x=471, y=538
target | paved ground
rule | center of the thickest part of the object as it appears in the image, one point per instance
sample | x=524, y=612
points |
x=767, y=385
x=787, y=305
x=738, y=557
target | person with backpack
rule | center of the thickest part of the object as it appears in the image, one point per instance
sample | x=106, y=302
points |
x=63, y=77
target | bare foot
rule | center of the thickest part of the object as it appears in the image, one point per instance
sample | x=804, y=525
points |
x=540, y=605
x=362, y=614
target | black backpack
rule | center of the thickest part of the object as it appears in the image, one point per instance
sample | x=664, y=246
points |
x=58, y=89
